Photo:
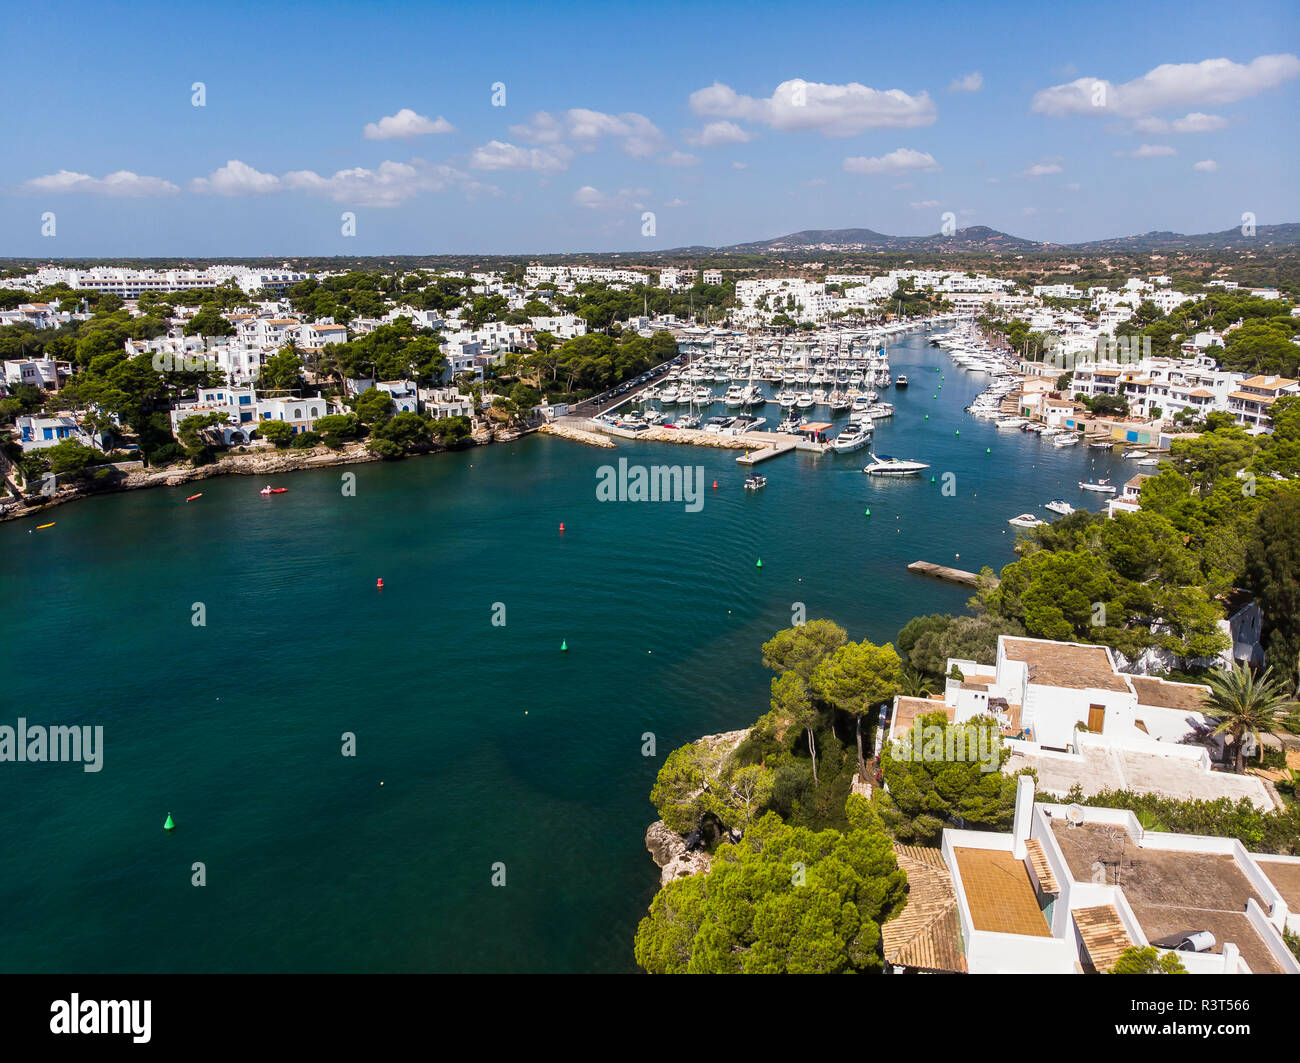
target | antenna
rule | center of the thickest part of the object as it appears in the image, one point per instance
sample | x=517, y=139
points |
x=1074, y=815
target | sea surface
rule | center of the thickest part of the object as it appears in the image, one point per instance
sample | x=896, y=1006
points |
x=483, y=751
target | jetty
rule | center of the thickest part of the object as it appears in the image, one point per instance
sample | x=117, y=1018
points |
x=946, y=573
x=753, y=457
x=577, y=435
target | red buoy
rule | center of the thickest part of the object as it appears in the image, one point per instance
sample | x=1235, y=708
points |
x=715, y=485
x=379, y=583
x=561, y=527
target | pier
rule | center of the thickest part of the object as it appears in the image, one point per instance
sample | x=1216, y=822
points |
x=773, y=451
x=944, y=572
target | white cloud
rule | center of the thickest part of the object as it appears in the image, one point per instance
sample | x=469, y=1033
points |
x=405, y=124
x=541, y=128
x=121, y=184
x=624, y=199
x=675, y=203
x=1073, y=186
x=1205, y=166
x=390, y=185
x=716, y=133
x=638, y=136
x=739, y=165
x=832, y=110
x=903, y=186
x=236, y=179
x=499, y=155
x=925, y=204
x=680, y=158
x=900, y=160
x=1029, y=212
x=1211, y=81
x=1196, y=122
x=1043, y=169
x=969, y=83
x=1153, y=151
x=813, y=182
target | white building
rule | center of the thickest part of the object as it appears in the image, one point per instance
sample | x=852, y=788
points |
x=1071, y=888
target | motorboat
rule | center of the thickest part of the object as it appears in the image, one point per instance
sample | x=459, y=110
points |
x=1059, y=505
x=735, y=395
x=853, y=437
x=804, y=401
x=1025, y=520
x=901, y=381
x=1101, y=444
x=787, y=399
x=1104, y=487
x=704, y=396
x=1069, y=439
x=887, y=466
x=753, y=483
x=688, y=420
x=1010, y=422
x=1149, y=463
x=1134, y=454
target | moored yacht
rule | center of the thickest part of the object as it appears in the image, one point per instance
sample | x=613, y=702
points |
x=853, y=437
x=887, y=466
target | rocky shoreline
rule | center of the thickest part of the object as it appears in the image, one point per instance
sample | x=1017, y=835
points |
x=668, y=848
x=261, y=463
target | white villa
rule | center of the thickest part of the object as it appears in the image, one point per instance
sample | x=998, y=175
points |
x=1072, y=887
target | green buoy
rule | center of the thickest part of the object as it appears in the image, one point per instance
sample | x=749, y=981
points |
x=927, y=416
x=169, y=825
x=867, y=513
x=759, y=563
x=564, y=646
x=988, y=450
x=932, y=479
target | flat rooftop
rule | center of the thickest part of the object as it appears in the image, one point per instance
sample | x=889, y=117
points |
x=908, y=709
x=1189, y=697
x=999, y=893
x=1106, y=768
x=1061, y=664
x=1285, y=877
x=1170, y=892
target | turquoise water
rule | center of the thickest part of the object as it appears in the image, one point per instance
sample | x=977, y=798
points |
x=491, y=744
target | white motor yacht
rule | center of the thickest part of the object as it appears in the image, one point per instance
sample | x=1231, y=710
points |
x=887, y=466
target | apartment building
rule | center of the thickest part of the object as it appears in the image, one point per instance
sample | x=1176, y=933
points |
x=1254, y=397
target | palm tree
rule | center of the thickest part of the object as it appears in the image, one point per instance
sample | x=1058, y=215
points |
x=913, y=684
x=1245, y=703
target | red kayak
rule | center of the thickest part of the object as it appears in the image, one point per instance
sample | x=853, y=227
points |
x=193, y=497
x=273, y=490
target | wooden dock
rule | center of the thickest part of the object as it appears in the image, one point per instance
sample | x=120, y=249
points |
x=753, y=457
x=943, y=572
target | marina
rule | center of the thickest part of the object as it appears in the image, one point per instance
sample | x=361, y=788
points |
x=827, y=535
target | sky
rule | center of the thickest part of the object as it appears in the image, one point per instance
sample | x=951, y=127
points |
x=237, y=129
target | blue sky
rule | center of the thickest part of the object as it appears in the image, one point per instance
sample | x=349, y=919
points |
x=729, y=121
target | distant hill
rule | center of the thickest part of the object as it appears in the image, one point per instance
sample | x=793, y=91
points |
x=982, y=239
